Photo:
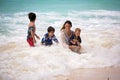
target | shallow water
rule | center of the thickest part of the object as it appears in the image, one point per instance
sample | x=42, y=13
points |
x=100, y=44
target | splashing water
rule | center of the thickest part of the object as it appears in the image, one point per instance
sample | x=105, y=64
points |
x=100, y=44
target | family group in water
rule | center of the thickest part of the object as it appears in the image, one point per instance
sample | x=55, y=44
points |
x=69, y=39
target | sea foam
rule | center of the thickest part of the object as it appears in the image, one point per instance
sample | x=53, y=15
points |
x=100, y=44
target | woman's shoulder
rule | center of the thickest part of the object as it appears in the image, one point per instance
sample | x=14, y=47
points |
x=62, y=31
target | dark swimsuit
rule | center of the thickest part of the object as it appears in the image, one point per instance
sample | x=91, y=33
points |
x=29, y=36
x=31, y=28
x=74, y=37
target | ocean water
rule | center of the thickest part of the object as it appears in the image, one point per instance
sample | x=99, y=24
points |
x=64, y=6
x=98, y=20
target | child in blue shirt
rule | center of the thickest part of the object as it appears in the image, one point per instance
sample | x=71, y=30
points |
x=49, y=37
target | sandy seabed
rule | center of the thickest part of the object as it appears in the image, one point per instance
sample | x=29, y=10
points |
x=109, y=73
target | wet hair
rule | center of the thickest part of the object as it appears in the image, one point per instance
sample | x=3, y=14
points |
x=78, y=29
x=32, y=16
x=50, y=28
x=66, y=22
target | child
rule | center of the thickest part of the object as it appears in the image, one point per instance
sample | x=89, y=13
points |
x=49, y=37
x=31, y=30
x=75, y=40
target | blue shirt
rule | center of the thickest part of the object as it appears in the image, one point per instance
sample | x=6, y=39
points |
x=46, y=40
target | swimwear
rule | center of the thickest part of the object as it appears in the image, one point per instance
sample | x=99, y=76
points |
x=48, y=41
x=29, y=36
x=74, y=37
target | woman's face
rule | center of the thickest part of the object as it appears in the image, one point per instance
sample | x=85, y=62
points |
x=67, y=26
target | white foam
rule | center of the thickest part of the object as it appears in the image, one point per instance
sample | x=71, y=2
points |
x=100, y=45
x=37, y=63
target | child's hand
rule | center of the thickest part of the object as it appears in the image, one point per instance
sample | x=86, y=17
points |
x=75, y=40
x=38, y=37
x=72, y=42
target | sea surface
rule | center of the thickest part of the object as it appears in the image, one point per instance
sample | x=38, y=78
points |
x=99, y=21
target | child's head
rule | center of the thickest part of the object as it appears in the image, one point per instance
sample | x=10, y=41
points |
x=77, y=32
x=32, y=16
x=51, y=31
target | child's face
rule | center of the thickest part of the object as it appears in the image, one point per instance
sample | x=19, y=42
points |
x=51, y=33
x=77, y=33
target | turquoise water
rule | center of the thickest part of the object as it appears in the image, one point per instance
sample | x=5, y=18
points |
x=55, y=12
x=10, y=6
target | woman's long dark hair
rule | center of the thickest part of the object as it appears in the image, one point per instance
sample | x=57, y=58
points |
x=69, y=22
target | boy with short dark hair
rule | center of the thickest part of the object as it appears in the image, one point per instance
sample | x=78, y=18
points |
x=49, y=37
x=31, y=30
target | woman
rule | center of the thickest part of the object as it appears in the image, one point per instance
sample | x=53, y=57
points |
x=66, y=35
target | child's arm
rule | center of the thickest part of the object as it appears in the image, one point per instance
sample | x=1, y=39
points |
x=43, y=41
x=55, y=39
x=35, y=33
x=79, y=39
x=37, y=36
